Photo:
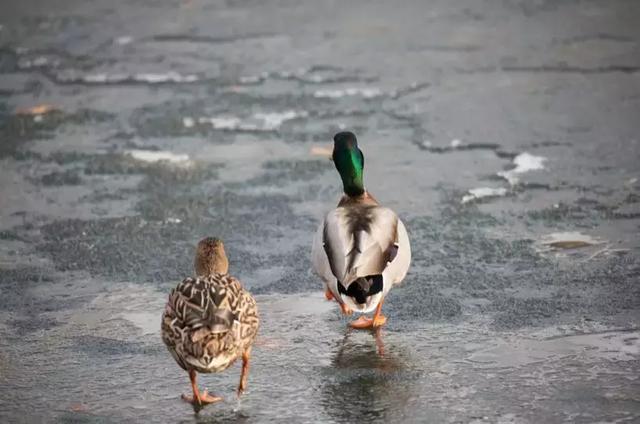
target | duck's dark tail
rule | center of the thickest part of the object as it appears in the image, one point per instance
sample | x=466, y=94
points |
x=362, y=287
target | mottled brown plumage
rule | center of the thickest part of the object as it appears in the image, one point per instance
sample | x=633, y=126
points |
x=210, y=321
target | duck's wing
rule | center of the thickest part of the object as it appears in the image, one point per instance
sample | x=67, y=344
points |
x=319, y=259
x=359, y=240
x=398, y=266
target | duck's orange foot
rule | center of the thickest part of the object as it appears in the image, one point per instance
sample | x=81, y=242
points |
x=345, y=309
x=203, y=398
x=363, y=322
x=328, y=295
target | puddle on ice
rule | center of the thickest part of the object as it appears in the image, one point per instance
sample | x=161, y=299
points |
x=569, y=240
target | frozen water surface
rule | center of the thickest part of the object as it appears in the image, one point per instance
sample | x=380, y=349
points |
x=522, y=304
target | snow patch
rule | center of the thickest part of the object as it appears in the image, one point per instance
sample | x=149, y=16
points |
x=159, y=156
x=124, y=40
x=271, y=121
x=188, y=122
x=367, y=93
x=150, y=78
x=481, y=192
x=524, y=162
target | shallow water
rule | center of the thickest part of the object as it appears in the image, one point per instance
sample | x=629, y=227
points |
x=496, y=130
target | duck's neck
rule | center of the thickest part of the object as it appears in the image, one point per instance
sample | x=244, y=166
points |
x=364, y=199
x=350, y=164
x=215, y=263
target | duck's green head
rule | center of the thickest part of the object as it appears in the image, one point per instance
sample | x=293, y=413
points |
x=349, y=162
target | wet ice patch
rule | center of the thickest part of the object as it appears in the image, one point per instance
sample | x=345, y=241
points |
x=482, y=192
x=617, y=345
x=271, y=121
x=524, y=162
x=367, y=93
x=151, y=156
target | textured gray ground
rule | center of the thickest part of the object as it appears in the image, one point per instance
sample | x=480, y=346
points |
x=491, y=324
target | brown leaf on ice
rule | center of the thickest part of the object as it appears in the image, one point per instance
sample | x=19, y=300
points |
x=321, y=151
x=36, y=110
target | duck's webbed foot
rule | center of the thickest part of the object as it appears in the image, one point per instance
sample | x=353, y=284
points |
x=203, y=398
x=363, y=322
x=199, y=398
x=378, y=319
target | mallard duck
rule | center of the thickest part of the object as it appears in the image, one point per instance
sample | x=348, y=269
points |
x=210, y=320
x=361, y=249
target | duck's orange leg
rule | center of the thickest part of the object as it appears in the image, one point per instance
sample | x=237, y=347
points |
x=246, y=356
x=198, y=398
x=345, y=309
x=378, y=319
x=328, y=295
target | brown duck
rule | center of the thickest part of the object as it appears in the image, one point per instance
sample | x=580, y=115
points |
x=210, y=320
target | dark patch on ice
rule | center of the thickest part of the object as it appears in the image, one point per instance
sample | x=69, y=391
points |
x=59, y=178
x=277, y=173
x=17, y=130
x=33, y=324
